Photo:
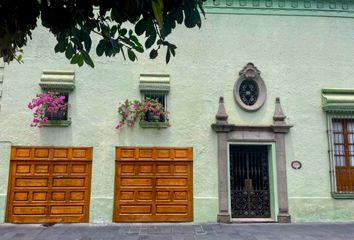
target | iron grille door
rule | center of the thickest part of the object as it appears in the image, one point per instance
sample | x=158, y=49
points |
x=249, y=181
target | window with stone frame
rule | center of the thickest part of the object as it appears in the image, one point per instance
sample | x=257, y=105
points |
x=339, y=107
x=62, y=83
x=157, y=87
x=341, y=134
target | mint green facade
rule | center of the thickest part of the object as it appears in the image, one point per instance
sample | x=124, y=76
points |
x=299, y=51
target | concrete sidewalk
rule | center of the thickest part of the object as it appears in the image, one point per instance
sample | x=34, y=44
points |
x=183, y=231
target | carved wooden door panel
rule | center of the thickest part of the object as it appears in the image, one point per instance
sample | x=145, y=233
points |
x=153, y=184
x=49, y=184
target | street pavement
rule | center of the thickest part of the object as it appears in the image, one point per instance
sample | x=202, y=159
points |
x=165, y=231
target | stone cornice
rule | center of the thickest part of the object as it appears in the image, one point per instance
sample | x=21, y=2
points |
x=251, y=128
x=57, y=81
x=333, y=8
x=338, y=99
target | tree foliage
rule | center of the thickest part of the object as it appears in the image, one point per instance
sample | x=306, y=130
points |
x=73, y=22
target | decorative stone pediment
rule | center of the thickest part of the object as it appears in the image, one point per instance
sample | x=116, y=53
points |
x=250, y=91
x=61, y=81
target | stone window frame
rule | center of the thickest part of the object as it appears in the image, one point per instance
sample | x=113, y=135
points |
x=227, y=133
x=250, y=72
x=61, y=82
x=154, y=84
x=337, y=103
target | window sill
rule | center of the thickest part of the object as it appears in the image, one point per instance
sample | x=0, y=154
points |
x=146, y=124
x=343, y=195
x=57, y=123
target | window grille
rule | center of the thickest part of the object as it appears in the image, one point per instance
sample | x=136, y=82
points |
x=341, y=151
x=160, y=97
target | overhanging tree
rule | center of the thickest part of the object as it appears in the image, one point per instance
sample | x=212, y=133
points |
x=74, y=22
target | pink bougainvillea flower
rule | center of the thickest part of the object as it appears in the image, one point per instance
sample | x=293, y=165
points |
x=44, y=103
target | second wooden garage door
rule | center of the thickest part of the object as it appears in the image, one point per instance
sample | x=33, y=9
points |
x=49, y=184
x=153, y=185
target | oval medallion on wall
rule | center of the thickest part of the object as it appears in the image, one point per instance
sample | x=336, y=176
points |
x=250, y=91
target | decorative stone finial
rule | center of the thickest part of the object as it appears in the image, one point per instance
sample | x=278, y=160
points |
x=279, y=117
x=221, y=116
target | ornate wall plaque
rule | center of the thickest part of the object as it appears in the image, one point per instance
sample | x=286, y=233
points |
x=296, y=165
x=250, y=91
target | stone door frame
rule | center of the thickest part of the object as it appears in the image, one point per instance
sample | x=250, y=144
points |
x=227, y=133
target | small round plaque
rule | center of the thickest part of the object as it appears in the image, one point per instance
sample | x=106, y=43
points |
x=296, y=165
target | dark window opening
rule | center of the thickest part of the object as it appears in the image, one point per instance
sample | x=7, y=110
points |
x=161, y=98
x=249, y=92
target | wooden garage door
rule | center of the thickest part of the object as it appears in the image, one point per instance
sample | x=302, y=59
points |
x=49, y=184
x=153, y=184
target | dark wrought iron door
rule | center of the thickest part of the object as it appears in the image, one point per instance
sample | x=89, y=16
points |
x=249, y=180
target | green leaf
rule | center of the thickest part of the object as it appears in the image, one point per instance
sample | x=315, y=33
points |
x=80, y=62
x=100, y=47
x=75, y=59
x=87, y=42
x=19, y=58
x=105, y=30
x=157, y=8
x=123, y=31
x=153, y=54
x=189, y=18
x=140, y=27
x=172, y=49
x=114, y=30
x=135, y=40
x=179, y=16
x=87, y=59
x=61, y=46
x=116, y=47
x=108, y=47
x=115, y=15
x=150, y=40
x=168, y=56
x=69, y=52
x=131, y=55
x=150, y=29
x=139, y=49
x=76, y=33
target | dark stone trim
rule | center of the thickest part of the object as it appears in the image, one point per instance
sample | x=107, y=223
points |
x=230, y=132
x=57, y=123
x=343, y=195
x=146, y=124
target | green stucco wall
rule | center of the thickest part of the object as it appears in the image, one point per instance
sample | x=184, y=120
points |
x=296, y=55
